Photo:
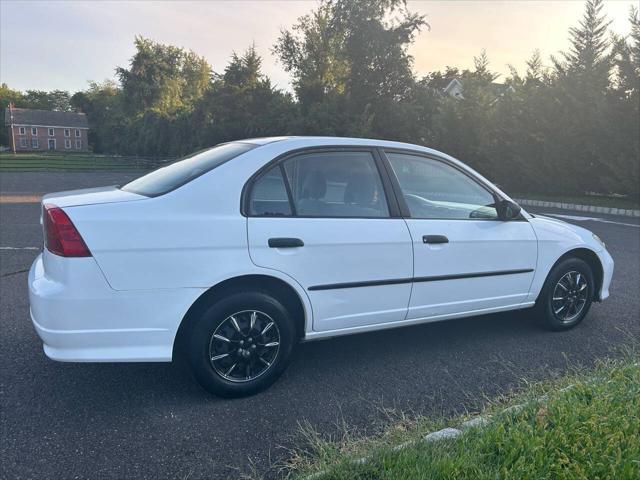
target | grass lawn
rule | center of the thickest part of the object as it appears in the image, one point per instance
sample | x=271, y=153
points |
x=596, y=200
x=590, y=431
x=79, y=161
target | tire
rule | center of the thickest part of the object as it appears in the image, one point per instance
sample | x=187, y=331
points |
x=232, y=332
x=572, y=283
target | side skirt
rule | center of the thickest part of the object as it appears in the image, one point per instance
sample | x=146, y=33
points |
x=310, y=336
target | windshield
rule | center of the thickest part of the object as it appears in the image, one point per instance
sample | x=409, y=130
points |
x=172, y=176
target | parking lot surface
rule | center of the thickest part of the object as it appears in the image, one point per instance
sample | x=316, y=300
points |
x=152, y=421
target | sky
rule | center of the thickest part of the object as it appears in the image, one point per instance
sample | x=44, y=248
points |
x=63, y=45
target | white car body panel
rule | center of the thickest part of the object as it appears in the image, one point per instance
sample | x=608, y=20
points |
x=81, y=319
x=555, y=238
x=352, y=250
x=475, y=246
x=90, y=196
x=192, y=250
x=153, y=257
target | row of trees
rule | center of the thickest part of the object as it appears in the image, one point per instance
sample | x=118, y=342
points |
x=567, y=128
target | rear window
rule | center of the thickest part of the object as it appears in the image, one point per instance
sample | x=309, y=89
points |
x=172, y=176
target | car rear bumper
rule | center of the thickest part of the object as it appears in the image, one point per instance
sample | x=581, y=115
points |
x=80, y=318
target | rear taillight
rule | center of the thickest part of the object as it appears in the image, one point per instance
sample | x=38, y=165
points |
x=60, y=234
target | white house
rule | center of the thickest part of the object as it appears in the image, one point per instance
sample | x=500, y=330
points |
x=454, y=89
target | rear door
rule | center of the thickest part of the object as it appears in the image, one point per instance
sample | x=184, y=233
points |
x=466, y=260
x=329, y=219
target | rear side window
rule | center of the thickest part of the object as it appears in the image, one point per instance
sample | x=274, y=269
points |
x=336, y=184
x=183, y=171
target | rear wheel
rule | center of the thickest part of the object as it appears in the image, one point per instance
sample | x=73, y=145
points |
x=241, y=344
x=567, y=294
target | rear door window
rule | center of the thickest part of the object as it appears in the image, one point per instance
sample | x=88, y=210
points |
x=336, y=184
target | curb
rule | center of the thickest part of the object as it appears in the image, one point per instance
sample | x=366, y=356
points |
x=626, y=212
x=449, y=432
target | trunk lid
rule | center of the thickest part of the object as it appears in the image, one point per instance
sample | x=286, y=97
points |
x=90, y=196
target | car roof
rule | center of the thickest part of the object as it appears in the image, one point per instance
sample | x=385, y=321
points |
x=310, y=141
x=261, y=140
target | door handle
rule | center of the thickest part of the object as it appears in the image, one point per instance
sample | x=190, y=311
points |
x=285, y=242
x=434, y=239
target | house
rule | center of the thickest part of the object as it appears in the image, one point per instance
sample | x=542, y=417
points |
x=43, y=130
x=454, y=89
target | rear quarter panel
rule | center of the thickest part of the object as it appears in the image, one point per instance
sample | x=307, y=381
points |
x=186, y=238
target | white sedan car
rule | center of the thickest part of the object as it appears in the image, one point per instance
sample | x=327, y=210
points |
x=233, y=255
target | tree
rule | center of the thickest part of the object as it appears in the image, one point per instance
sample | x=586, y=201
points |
x=103, y=104
x=244, y=71
x=374, y=47
x=481, y=68
x=439, y=80
x=535, y=69
x=58, y=100
x=162, y=78
x=627, y=57
x=588, y=60
x=350, y=64
x=580, y=91
x=242, y=103
x=624, y=111
x=8, y=95
x=310, y=52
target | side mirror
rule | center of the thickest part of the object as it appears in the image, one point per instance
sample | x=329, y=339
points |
x=508, y=210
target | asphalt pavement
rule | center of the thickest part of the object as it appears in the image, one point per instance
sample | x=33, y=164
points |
x=151, y=421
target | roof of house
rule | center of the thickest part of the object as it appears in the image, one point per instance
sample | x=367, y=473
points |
x=498, y=89
x=453, y=83
x=27, y=116
x=501, y=88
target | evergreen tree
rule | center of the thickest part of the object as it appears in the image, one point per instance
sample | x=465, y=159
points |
x=588, y=60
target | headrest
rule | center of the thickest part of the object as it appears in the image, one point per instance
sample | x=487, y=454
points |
x=315, y=185
x=359, y=189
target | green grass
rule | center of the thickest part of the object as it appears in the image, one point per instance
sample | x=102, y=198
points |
x=595, y=200
x=43, y=162
x=591, y=431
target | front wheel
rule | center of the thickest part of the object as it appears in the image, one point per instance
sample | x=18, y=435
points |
x=567, y=295
x=241, y=344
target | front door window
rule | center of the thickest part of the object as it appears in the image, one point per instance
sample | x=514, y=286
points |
x=435, y=190
x=52, y=144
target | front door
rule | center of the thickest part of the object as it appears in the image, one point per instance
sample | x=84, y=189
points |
x=52, y=144
x=466, y=259
x=324, y=219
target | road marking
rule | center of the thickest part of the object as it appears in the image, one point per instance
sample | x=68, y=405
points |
x=19, y=248
x=593, y=219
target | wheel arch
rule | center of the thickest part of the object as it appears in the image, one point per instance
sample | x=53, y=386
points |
x=275, y=286
x=592, y=259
